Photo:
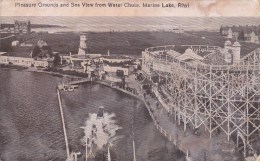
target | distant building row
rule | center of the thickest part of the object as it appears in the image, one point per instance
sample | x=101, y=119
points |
x=178, y=30
x=41, y=56
x=20, y=27
x=26, y=61
x=243, y=33
x=110, y=67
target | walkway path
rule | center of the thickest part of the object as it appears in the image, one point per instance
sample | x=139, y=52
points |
x=78, y=81
x=2, y=38
x=201, y=147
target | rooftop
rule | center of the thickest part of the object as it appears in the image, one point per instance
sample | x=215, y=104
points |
x=189, y=55
x=88, y=56
x=246, y=29
x=17, y=54
x=116, y=57
x=117, y=65
x=173, y=53
x=3, y=53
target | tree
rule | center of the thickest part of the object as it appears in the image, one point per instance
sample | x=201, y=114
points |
x=36, y=51
x=220, y=30
x=241, y=35
x=57, y=60
x=123, y=82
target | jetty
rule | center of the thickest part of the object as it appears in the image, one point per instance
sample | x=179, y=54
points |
x=72, y=84
x=78, y=81
x=63, y=124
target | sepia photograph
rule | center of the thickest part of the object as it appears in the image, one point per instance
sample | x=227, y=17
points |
x=129, y=88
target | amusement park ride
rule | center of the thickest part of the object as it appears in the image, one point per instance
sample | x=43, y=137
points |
x=208, y=93
x=90, y=141
x=211, y=94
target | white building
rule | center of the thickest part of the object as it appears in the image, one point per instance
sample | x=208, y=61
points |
x=228, y=51
x=15, y=43
x=113, y=78
x=177, y=30
x=113, y=69
x=253, y=38
x=232, y=52
x=24, y=44
x=115, y=59
x=81, y=60
x=236, y=52
x=83, y=45
x=5, y=58
x=229, y=36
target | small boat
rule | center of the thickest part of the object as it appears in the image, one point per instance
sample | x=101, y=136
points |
x=68, y=88
x=75, y=86
x=73, y=156
x=100, y=111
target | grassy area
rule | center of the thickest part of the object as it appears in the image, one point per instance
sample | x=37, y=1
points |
x=127, y=43
x=63, y=42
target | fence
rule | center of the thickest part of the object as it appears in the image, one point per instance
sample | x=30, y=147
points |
x=167, y=135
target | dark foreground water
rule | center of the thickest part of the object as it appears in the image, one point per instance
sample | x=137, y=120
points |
x=30, y=122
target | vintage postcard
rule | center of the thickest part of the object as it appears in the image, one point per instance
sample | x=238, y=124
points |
x=129, y=80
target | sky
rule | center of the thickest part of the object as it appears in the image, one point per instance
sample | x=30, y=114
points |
x=137, y=23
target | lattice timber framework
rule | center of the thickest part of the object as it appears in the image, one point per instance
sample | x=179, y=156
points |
x=212, y=97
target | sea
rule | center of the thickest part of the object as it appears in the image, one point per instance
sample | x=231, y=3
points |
x=31, y=126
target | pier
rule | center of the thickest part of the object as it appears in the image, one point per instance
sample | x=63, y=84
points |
x=63, y=124
x=79, y=81
x=72, y=84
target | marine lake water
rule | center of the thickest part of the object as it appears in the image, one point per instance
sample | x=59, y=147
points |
x=30, y=122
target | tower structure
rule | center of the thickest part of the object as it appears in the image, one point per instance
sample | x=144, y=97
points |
x=229, y=33
x=228, y=49
x=209, y=95
x=236, y=52
x=83, y=47
x=22, y=27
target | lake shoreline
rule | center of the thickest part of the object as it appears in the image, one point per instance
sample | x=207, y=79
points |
x=138, y=97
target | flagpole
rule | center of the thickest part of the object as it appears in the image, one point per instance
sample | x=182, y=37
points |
x=86, y=148
x=134, y=159
x=134, y=150
x=108, y=153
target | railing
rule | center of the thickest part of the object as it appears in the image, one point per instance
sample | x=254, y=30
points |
x=77, y=81
x=162, y=130
x=169, y=60
x=156, y=123
x=158, y=127
x=159, y=48
x=2, y=38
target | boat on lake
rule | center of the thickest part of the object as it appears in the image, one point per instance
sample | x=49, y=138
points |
x=100, y=112
x=67, y=87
